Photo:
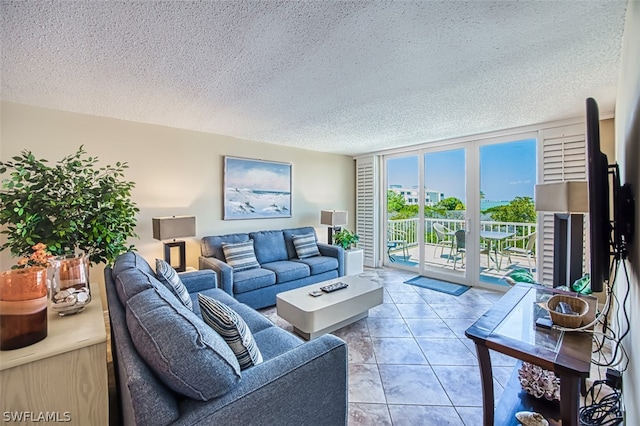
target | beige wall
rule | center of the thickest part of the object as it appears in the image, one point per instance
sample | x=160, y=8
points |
x=179, y=171
x=628, y=157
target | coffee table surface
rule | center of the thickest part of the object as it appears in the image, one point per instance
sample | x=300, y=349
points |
x=305, y=302
x=313, y=316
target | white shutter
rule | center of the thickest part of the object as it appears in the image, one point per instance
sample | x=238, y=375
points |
x=563, y=158
x=366, y=208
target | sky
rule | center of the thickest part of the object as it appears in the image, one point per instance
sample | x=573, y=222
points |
x=507, y=170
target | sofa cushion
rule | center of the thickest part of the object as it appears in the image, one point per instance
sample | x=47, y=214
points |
x=133, y=281
x=252, y=279
x=130, y=260
x=288, y=238
x=306, y=245
x=269, y=246
x=320, y=264
x=212, y=246
x=184, y=352
x=169, y=277
x=275, y=341
x=287, y=270
x=233, y=330
x=240, y=256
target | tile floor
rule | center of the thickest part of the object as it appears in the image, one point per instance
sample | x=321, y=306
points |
x=410, y=362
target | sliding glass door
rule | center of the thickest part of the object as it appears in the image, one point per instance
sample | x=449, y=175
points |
x=462, y=213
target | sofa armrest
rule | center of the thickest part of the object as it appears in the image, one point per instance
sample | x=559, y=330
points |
x=333, y=251
x=222, y=270
x=196, y=281
x=299, y=387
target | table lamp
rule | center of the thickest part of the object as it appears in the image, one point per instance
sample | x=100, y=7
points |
x=172, y=227
x=565, y=199
x=333, y=218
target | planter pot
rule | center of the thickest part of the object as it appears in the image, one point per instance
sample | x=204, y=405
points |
x=23, y=307
x=70, y=284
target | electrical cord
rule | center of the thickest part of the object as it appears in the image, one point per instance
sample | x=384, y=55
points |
x=607, y=411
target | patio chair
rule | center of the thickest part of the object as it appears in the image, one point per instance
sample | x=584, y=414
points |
x=443, y=235
x=460, y=248
x=395, y=243
x=528, y=250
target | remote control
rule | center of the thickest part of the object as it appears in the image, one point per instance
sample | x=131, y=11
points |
x=315, y=293
x=333, y=287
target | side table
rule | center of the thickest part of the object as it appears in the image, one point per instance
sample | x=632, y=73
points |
x=353, y=261
x=62, y=378
x=509, y=328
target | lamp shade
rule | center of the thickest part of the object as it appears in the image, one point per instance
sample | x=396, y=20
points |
x=568, y=196
x=333, y=217
x=165, y=228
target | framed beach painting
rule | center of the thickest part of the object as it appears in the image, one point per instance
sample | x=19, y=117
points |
x=256, y=189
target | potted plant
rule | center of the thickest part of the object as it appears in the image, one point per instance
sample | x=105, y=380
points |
x=72, y=206
x=345, y=238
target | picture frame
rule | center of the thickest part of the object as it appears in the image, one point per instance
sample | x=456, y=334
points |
x=256, y=189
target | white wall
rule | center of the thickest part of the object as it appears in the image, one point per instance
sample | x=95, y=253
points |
x=179, y=171
x=628, y=157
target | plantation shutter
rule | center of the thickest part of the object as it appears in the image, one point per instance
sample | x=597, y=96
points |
x=367, y=208
x=563, y=159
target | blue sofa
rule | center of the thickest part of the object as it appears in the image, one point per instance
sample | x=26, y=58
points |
x=298, y=383
x=280, y=269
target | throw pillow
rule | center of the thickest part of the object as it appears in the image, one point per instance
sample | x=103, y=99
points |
x=305, y=245
x=170, y=278
x=233, y=330
x=240, y=256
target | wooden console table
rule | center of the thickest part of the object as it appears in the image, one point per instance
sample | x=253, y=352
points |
x=62, y=378
x=509, y=327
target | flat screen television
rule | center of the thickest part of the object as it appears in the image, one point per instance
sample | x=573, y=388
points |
x=600, y=230
x=611, y=231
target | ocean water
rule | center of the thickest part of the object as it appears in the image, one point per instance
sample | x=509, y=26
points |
x=486, y=204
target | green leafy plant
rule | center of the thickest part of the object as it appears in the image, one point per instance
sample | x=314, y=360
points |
x=71, y=206
x=346, y=239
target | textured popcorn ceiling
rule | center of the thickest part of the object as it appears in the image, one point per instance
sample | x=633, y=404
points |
x=339, y=76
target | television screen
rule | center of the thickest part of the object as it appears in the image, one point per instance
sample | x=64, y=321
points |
x=600, y=229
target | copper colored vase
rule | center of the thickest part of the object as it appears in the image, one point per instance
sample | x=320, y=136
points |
x=23, y=307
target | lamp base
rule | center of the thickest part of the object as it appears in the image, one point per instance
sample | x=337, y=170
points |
x=182, y=266
x=331, y=230
x=567, y=248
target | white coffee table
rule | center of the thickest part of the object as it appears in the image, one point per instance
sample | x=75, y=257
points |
x=314, y=316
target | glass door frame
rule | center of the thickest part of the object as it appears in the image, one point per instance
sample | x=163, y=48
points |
x=471, y=147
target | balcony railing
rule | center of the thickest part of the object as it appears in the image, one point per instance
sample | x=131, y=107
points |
x=407, y=229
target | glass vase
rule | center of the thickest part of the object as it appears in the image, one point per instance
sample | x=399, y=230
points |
x=23, y=307
x=69, y=284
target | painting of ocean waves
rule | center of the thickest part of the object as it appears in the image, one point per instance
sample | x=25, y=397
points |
x=256, y=189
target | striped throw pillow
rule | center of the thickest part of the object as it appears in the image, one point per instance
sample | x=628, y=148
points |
x=233, y=330
x=240, y=256
x=305, y=245
x=170, y=278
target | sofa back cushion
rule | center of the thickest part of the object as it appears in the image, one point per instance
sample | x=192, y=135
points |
x=133, y=281
x=131, y=260
x=288, y=238
x=212, y=246
x=184, y=352
x=269, y=246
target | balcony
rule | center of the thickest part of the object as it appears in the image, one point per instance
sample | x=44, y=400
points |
x=494, y=265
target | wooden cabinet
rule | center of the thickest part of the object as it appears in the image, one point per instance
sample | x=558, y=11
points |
x=62, y=378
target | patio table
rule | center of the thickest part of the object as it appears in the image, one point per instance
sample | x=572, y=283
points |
x=495, y=239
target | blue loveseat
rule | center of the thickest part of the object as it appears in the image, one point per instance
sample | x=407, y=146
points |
x=199, y=381
x=279, y=269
